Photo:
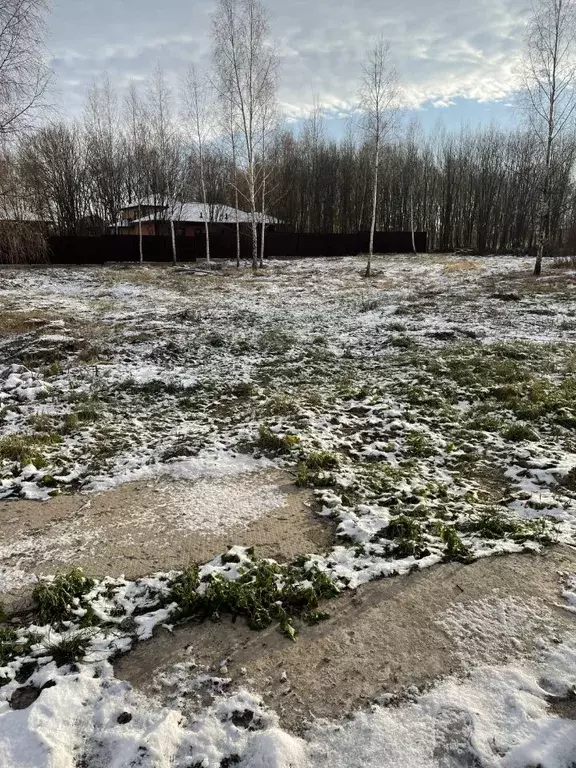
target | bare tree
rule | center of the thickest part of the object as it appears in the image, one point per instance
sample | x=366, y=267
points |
x=53, y=162
x=138, y=142
x=106, y=150
x=550, y=88
x=378, y=94
x=232, y=129
x=198, y=111
x=246, y=70
x=24, y=75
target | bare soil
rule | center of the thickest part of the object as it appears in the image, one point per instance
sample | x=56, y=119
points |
x=381, y=639
x=143, y=527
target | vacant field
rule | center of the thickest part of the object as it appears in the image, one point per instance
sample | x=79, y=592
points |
x=222, y=445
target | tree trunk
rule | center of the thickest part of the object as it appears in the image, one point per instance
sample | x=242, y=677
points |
x=207, y=235
x=140, y=242
x=374, y=209
x=236, y=203
x=263, y=232
x=252, y=183
x=173, y=233
x=412, y=224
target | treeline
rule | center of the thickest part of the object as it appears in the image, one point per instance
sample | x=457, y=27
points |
x=475, y=190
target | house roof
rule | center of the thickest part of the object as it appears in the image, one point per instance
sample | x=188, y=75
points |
x=196, y=213
x=16, y=213
x=146, y=202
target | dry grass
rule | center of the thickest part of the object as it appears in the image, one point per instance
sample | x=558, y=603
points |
x=461, y=265
x=12, y=323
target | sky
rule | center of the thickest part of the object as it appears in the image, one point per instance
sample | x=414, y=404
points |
x=456, y=58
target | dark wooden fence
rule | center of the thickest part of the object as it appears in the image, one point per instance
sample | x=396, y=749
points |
x=119, y=248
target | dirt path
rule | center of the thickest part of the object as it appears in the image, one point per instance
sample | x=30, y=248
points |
x=383, y=638
x=140, y=528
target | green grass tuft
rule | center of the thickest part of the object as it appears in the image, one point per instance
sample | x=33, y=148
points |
x=272, y=443
x=9, y=645
x=265, y=594
x=55, y=599
x=70, y=649
x=518, y=433
x=493, y=524
x=26, y=449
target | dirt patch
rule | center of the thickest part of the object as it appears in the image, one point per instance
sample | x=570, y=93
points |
x=139, y=528
x=381, y=639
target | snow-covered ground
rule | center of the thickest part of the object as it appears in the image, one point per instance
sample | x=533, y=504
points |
x=431, y=411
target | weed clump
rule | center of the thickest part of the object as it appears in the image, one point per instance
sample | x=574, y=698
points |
x=407, y=536
x=280, y=405
x=265, y=594
x=455, y=548
x=9, y=645
x=243, y=389
x=54, y=600
x=25, y=449
x=492, y=524
x=419, y=445
x=313, y=467
x=517, y=433
x=271, y=442
x=70, y=648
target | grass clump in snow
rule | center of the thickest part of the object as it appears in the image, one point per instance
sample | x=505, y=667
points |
x=455, y=548
x=41, y=422
x=243, y=390
x=518, y=432
x=26, y=449
x=419, y=445
x=9, y=645
x=280, y=405
x=406, y=536
x=272, y=443
x=54, y=600
x=314, y=467
x=265, y=593
x=70, y=648
x=55, y=369
x=493, y=524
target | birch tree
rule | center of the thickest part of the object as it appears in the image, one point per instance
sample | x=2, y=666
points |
x=550, y=88
x=378, y=93
x=24, y=75
x=136, y=131
x=231, y=128
x=106, y=150
x=198, y=111
x=246, y=69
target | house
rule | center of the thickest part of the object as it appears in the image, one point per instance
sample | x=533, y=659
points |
x=188, y=219
x=14, y=214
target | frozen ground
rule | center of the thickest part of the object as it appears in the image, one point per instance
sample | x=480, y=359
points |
x=430, y=413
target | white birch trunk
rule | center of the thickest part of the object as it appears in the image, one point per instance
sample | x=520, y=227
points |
x=140, y=241
x=374, y=208
x=173, y=233
x=412, y=224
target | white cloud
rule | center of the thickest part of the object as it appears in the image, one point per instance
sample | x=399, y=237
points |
x=443, y=50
